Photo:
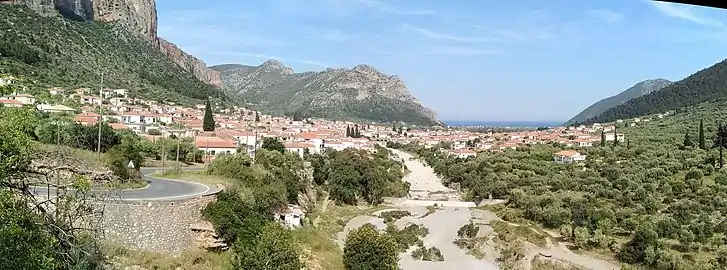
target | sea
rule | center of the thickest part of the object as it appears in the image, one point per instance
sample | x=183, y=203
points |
x=512, y=124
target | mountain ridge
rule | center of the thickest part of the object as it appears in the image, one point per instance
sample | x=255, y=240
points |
x=705, y=85
x=360, y=92
x=642, y=88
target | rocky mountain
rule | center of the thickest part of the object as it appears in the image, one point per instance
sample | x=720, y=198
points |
x=138, y=16
x=709, y=84
x=639, y=89
x=339, y=93
x=57, y=52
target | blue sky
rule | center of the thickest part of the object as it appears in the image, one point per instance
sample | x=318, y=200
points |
x=525, y=60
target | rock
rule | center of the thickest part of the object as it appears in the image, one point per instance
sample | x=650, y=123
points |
x=137, y=16
x=206, y=237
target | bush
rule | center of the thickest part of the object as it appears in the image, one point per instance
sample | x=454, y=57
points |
x=427, y=254
x=390, y=216
x=367, y=249
x=468, y=231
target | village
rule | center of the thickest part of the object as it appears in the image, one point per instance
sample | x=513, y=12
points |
x=242, y=130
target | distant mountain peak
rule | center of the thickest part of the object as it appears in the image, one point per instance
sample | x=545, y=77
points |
x=640, y=89
x=272, y=64
x=366, y=69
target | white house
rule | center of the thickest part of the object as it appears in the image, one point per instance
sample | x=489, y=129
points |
x=568, y=156
x=291, y=217
x=463, y=153
x=213, y=146
x=56, y=91
x=6, y=81
x=25, y=99
x=300, y=148
x=620, y=137
x=55, y=108
x=91, y=100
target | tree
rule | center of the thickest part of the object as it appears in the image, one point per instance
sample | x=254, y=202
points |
x=208, y=122
x=719, y=140
x=257, y=117
x=615, y=137
x=348, y=131
x=702, y=145
x=687, y=140
x=273, y=249
x=356, y=133
x=603, y=138
x=273, y=144
x=367, y=249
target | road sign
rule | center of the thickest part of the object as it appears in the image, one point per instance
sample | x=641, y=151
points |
x=131, y=164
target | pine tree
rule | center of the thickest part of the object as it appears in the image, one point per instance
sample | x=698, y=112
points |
x=702, y=145
x=208, y=122
x=603, y=138
x=687, y=140
x=257, y=117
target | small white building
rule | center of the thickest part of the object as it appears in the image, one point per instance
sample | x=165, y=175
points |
x=619, y=136
x=568, y=156
x=300, y=148
x=56, y=108
x=25, y=99
x=291, y=217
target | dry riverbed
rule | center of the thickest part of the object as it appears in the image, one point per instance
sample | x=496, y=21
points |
x=449, y=216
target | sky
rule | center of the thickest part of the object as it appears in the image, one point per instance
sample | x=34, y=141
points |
x=488, y=60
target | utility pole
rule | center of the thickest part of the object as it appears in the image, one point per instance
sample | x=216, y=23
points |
x=164, y=154
x=178, y=142
x=100, y=118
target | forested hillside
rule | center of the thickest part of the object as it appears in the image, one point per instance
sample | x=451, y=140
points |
x=709, y=84
x=656, y=200
x=59, y=52
x=639, y=89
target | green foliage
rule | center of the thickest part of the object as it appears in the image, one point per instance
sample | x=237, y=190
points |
x=129, y=150
x=57, y=52
x=468, y=231
x=702, y=144
x=273, y=144
x=352, y=174
x=273, y=249
x=25, y=243
x=432, y=254
x=367, y=249
x=390, y=216
x=208, y=122
x=411, y=235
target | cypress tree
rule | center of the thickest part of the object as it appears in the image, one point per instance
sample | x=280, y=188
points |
x=628, y=144
x=702, y=145
x=257, y=117
x=208, y=122
x=348, y=131
x=356, y=133
x=603, y=138
x=720, y=143
x=615, y=136
x=393, y=128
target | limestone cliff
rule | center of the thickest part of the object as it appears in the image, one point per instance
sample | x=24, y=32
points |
x=189, y=62
x=139, y=16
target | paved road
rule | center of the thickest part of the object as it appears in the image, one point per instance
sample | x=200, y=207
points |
x=158, y=189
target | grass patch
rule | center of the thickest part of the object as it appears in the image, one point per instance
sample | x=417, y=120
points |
x=430, y=210
x=133, y=184
x=195, y=259
x=431, y=254
x=522, y=231
x=390, y=216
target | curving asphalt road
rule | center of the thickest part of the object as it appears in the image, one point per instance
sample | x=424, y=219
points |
x=158, y=189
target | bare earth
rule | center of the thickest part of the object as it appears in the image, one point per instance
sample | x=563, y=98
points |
x=427, y=189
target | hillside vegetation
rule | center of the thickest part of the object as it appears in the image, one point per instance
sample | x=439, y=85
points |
x=639, y=89
x=706, y=85
x=656, y=200
x=360, y=93
x=59, y=52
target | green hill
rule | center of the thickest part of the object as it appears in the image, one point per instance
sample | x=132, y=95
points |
x=639, y=89
x=709, y=84
x=54, y=51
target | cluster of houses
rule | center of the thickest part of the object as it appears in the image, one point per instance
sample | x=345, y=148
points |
x=238, y=129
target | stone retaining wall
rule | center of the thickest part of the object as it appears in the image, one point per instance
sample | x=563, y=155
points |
x=155, y=226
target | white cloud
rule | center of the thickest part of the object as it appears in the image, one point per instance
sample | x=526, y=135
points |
x=685, y=13
x=268, y=57
x=461, y=51
x=605, y=15
x=445, y=36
